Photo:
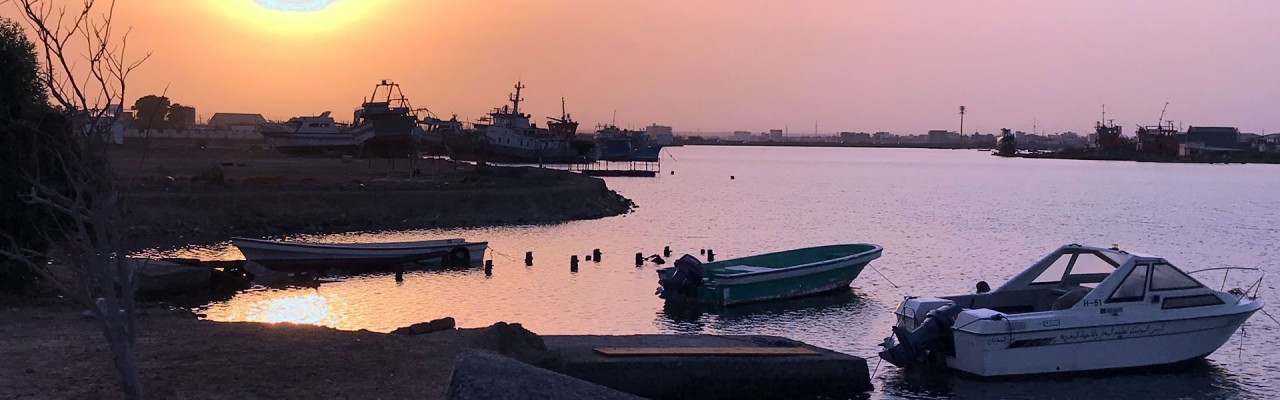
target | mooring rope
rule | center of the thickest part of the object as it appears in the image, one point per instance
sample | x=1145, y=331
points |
x=495, y=251
x=886, y=279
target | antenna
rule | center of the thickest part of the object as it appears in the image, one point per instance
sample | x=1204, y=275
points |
x=961, y=120
x=1160, y=122
x=615, y=118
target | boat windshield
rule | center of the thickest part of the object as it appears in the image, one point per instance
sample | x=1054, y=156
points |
x=1077, y=267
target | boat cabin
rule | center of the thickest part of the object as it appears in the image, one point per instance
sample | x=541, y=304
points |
x=1078, y=277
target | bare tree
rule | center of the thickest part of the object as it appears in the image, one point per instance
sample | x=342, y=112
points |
x=84, y=68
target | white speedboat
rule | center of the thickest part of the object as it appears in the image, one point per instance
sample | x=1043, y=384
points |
x=287, y=255
x=309, y=135
x=1079, y=309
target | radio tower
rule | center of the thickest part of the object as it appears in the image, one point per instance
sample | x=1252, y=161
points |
x=961, y=120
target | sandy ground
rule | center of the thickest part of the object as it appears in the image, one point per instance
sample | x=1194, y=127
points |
x=51, y=351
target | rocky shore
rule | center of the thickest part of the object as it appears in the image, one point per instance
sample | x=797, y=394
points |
x=179, y=195
x=52, y=351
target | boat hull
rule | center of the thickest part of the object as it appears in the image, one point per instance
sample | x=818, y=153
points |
x=1091, y=348
x=280, y=255
x=310, y=143
x=773, y=284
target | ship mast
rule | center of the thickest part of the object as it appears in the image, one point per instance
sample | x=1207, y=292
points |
x=515, y=99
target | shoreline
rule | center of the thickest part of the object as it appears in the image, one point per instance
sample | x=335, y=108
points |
x=180, y=196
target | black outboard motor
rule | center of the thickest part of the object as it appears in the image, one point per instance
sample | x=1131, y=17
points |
x=685, y=280
x=937, y=325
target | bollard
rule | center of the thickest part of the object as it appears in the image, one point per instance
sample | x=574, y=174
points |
x=488, y=267
x=711, y=255
x=595, y=254
x=666, y=251
x=528, y=258
x=573, y=263
x=639, y=258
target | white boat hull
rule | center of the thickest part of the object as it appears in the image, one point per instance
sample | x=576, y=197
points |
x=282, y=254
x=1090, y=348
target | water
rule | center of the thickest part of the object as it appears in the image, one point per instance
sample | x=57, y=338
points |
x=946, y=218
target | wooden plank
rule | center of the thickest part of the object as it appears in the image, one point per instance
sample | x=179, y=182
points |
x=705, y=351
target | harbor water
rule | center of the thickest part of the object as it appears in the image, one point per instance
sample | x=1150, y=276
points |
x=946, y=219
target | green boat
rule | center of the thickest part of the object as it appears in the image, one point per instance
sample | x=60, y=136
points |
x=771, y=276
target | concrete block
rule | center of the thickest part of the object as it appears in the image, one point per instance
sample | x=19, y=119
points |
x=482, y=375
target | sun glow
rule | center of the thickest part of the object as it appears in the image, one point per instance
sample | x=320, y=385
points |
x=300, y=17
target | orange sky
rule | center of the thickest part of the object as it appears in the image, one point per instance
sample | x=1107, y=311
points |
x=713, y=65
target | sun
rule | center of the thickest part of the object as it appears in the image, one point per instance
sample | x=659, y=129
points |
x=294, y=5
x=299, y=17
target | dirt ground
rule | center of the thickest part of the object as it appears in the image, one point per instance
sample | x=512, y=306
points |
x=51, y=351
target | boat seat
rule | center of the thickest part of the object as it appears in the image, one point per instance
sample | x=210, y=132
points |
x=746, y=268
x=1070, y=298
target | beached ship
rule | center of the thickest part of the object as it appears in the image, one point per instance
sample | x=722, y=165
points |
x=385, y=125
x=507, y=135
x=309, y=135
x=617, y=144
x=1078, y=309
x=1006, y=144
x=771, y=276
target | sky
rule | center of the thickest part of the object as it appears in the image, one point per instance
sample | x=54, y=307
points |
x=903, y=66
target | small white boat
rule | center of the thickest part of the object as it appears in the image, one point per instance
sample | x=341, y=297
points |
x=280, y=255
x=309, y=135
x=1078, y=309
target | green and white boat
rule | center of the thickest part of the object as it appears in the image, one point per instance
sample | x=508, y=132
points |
x=771, y=276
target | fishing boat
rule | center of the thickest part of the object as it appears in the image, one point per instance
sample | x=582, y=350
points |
x=309, y=135
x=618, y=144
x=770, y=276
x=506, y=135
x=1078, y=309
x=289, y=255
x=386, y=125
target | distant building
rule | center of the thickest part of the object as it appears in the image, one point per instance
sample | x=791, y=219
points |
x=855, y=137
x=742, y=135
x=229, y=121
x=660, y=134
x=884, y=137
x=1267, y=143
x=1214, y=136
x=775, y=134
x=944, y=137
x=983, y=139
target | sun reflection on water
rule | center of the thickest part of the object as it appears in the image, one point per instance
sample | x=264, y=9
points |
x=311, y=308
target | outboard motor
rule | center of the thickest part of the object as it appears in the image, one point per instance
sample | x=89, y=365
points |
x=927, y=336
x=685, y=280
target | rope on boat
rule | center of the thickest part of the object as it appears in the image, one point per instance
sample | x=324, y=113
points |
x=877, y=369
x=1273, y=319
x=495, y=251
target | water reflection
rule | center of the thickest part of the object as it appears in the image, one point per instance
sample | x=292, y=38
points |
x=690, y=318
x=1198, y=379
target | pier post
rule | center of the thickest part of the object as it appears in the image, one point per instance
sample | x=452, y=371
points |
x=639, y=258
x=488, y=267
x=573, y=263
x=595, y=255
x=711, y=255
x=399, y=273
x=666, y=251
x=528, y=258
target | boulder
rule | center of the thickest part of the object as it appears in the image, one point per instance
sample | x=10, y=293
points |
x=421, y=328
x=163, y=279
x=515, y=341
x=483, y=375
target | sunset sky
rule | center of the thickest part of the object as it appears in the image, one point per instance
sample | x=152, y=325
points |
x=711, y=65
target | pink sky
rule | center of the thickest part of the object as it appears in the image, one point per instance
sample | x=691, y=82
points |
x=710, y=65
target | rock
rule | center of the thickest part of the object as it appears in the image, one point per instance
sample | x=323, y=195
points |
x=481, y=375
x=421, y=328
x=519, y=343
x=163, y=279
